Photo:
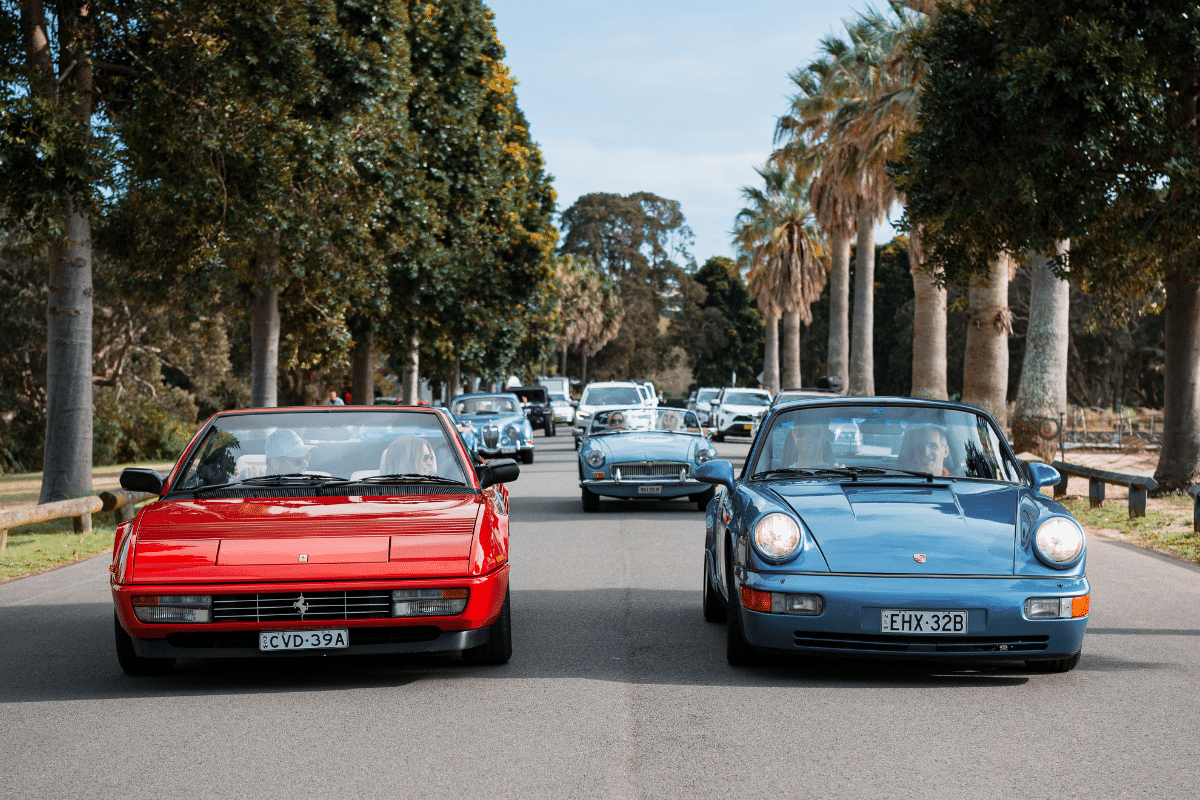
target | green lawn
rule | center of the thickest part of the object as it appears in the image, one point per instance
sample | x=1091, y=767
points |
x=1167, y=526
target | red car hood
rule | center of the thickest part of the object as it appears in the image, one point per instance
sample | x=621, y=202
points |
x=303, y=539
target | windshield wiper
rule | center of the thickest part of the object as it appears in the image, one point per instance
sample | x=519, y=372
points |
x=291, y=479
x=928, y=476
x=782, y=471
x=815, y=472
x=407, y=477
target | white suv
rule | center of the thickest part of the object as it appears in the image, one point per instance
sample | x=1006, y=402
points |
x=735, y=410
x=604, y=395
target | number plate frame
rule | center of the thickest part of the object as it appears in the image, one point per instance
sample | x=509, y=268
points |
x=651, y=488
x=276, y=641
x=925, y=622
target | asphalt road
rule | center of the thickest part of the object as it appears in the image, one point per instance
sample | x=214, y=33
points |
x=617, y=688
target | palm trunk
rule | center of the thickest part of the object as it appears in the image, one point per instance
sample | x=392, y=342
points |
x=771, y=352
x=455, y=382
x=362, y=371
x=411, y=373
x=264, y=330
x=1179, y=459
x=929, y=329
x=1042, y=392
x=838, y=358
x=862, y=341
x=985, y=372
x=789, y=350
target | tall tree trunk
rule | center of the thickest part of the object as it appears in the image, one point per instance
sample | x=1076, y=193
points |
x=411, y=373
x=455, y=388
x=67, y=461
x=563, y=369
x=1179, y=459
x=1042, y=391
x=771, y=353
x=862, y=340
x=985, y=371
x=264, y=330
x=583, y=367
x=362, y=371
x=789, y=351
x=838, y=359
x=929, y=328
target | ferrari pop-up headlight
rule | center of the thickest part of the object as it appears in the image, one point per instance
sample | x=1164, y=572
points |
x=777, y=536
x=1059, y=541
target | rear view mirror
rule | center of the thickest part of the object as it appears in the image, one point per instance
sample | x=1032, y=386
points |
x=142, y=479
x=502, y=470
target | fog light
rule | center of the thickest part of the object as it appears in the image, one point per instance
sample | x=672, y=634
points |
x=1057, y=607
x=173, y=607
x=756, y=600
x=429, y=602
x=806, y=605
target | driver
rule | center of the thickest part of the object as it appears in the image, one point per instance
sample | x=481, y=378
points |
x=925, y=450
x=807, y=445
x=287, y=454
x=616, y=421
x=408, y=455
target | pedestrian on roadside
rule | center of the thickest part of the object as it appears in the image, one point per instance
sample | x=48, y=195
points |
x=333, y=399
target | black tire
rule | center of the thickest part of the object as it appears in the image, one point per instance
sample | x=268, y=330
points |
x=498, y=648
x=701, y=499
x=576, y=443
x=526, y=456
x=591, y=500
x=714, y=606
x=131, y=662
x=550, y=427
x=718, y=437
x=1058, y=665
x=737, y=650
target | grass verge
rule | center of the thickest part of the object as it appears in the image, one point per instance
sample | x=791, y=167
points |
x=36, y=548
x=1167, y=526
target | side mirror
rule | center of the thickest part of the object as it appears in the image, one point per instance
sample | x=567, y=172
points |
x=142, y=479
x=1041, y=474
x=574, y=404
x=502, y=470
x=718, y=473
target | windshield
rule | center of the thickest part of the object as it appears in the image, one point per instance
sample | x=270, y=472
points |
x=674, y=420
x=351, y=445
x=499, y=404
x=928, y=440
x=611, y=396
x=707, y=394
x=559, y=399
x=746, y=399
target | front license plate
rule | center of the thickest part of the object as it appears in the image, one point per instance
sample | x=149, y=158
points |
x=936, y=623
x=508, y=449
x=649, y=490
x=303, y=640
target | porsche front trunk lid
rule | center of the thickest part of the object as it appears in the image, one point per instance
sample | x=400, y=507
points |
x=940, y=528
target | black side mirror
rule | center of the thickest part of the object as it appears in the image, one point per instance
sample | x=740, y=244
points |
x=502, y=470
x=142, y=479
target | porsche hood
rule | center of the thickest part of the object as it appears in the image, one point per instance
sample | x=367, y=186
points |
x=957, y=528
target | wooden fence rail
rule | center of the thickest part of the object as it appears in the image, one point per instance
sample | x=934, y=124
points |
x=79, y=509
x=1138, y=485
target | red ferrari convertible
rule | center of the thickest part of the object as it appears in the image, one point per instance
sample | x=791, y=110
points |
x=316, y=531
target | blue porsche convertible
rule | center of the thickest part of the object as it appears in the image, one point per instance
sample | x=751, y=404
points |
x=888, y=527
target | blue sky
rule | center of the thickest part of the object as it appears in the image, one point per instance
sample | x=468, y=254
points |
x=675, y=98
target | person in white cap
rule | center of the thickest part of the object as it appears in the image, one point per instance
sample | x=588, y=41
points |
x=287, y=453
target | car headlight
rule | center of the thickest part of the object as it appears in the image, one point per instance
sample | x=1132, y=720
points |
x=173, y=607
x=1059, y=541
x=777, y=536
x=429, y=602
x=512, y=432
x=594, y=459
x=704, y=455
x=582, y=415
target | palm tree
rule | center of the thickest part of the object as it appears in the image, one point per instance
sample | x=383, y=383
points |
x=989, y=324
x=787, y=263
x=1042, y=391
x=590, y=309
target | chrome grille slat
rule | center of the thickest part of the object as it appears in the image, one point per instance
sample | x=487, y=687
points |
x=275, y=607
x=659, y=469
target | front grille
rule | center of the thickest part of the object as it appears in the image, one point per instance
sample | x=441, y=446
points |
x=881, y=643
x=491, y=437
x=288, y=607
x=657, y=469
x=213, y=640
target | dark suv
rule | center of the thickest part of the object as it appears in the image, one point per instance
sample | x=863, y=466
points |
x=536, y=403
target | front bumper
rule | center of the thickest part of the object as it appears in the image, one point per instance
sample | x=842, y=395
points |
x=373, y=635
x=737, y=428
x=633, y=488
x=850, y=622
x=503, y=450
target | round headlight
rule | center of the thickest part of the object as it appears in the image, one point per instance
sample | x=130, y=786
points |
x=512, y=432
x=1059, y=540
x=777, y=536
x=704, y=455
x=594, y=459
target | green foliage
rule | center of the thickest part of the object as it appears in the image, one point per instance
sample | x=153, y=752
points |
x=22, y=360
x=141, y=427
x=726, y=336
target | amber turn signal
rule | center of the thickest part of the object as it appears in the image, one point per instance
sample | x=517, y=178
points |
x=1080, y=606
x=756, y=600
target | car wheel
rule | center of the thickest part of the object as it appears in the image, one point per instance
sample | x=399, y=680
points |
x=576, y=442
x=1058, y=665
x=591, y=500
x=701, y=499
x=718, y=437
x=131, y=662
x=526, y=456
x=550, y=427
x=498, y=648
x=714, y=607
x=737, y=650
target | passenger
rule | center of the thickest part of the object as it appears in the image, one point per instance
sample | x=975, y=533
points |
x=924, y=450
x=807, y=446
x=669, y=421
x=287, y=454
x=408, y=455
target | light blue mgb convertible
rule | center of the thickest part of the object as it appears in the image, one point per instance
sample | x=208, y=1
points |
x=493, y=425
x=647, y=453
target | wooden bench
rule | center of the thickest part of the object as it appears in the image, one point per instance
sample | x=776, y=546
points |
x=1138, y=485
x=1194, y=491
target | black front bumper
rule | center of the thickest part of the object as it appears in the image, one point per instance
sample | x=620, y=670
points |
x=363, y=642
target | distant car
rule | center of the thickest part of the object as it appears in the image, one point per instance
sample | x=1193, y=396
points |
x=315, y=531
x=536, y=402
x=564, y=412
x=701, y=401
x=647, y=453
x=734, y=411
x=604, y=395
x=926, y=539
x=787, y=396
x=494, y=425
